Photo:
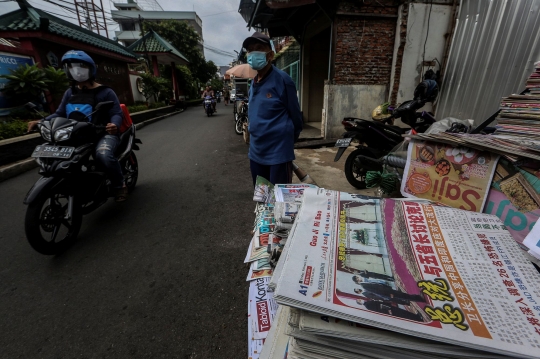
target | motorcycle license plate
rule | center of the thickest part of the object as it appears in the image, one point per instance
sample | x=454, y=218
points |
x=343, y=142
x=53, y=151
x=208, y=101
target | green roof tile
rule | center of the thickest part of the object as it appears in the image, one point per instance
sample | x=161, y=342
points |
x=152, y=42
x=22, y=20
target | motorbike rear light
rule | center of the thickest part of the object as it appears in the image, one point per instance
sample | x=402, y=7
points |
x=348, y=124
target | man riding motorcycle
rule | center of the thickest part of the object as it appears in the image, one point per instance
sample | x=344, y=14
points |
x=209, y=92
x=79, y=100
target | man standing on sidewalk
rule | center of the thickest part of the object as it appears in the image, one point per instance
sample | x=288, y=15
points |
x=275, y=121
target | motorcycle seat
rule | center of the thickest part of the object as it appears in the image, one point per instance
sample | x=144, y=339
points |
x=124, y=141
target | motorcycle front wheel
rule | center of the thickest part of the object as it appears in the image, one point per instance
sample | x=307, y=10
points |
x=47, y=230
x=355, y=170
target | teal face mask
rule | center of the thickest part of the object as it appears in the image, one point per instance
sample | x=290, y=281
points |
x=257, y=60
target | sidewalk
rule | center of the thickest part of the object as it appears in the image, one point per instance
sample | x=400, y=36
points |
x=319, y=164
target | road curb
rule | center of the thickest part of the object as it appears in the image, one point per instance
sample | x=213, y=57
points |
x=16, y=168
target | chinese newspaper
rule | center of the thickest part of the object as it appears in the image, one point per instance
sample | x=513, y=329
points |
x=434, y=272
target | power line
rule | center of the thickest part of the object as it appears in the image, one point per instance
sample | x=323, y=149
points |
x=219, y=13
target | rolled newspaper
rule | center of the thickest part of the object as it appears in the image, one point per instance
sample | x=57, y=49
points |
x=302, y=175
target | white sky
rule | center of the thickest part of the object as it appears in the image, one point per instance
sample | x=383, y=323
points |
x=223, y=27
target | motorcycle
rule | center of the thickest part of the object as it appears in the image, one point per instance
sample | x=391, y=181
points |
x=208, y=105
x=377, y=138
x=73, y=184
x=241, y=118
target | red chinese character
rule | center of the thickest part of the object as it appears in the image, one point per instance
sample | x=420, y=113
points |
x=513, y=291
x=493, y=255
x=420, y=238
x=498, y=263
x=534, y=321
x=418, y=228
x=520, y=300
x=428, y=260
x=537, y=330
x=485, y=241
x=413, y=210
x=432, y=270
x=415, y=219
x=424, y=249
x=481, y=235
x=526, y=311
x=489, y=248
x=411, y=204
x=508, y=283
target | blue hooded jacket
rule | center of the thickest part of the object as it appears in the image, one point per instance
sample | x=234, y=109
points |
x=275, y=120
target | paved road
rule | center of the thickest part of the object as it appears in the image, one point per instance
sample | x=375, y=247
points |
x=159, y=276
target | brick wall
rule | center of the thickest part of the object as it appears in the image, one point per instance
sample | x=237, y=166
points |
x=364, y=44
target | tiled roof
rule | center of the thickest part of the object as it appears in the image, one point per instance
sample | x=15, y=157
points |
x=31, y=19
x=152, y=42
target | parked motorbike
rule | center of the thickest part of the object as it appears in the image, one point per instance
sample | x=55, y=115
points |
x=377, y=138
x=208, y=105
x=241, y=118
x=73, y=183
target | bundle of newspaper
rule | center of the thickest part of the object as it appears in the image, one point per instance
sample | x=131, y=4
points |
x=430, y=281
x=273, y=221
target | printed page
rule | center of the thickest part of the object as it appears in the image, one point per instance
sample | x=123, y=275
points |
x=435, y=272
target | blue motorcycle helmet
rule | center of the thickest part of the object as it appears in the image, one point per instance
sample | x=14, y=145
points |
x=79, y=66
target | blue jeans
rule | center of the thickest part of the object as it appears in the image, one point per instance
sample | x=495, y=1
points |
x=105, y=155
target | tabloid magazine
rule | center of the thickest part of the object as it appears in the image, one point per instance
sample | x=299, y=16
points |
x=430, y=271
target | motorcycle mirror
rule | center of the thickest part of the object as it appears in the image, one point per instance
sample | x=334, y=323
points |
x=30, y=106
x=106, y=105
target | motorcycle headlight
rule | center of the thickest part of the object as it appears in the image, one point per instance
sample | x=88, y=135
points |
x=45, y=133
x=63, y=133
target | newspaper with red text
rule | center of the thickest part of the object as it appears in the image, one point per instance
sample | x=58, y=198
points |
x=429, y=271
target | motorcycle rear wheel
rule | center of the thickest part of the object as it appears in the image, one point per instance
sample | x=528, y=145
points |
x=355, y=170
x=45, y=224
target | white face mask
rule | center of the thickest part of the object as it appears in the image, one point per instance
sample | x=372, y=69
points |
x=79, y=74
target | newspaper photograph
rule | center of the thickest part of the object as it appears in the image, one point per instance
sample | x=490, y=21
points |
x=291, y=192
x=435, y=272
x=459, y=177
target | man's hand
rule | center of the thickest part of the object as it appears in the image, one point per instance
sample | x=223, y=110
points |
x=32, y=125
x=111, y=128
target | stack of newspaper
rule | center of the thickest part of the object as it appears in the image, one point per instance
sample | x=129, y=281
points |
x=533, y=83
x=372, y=278
x=275, y=212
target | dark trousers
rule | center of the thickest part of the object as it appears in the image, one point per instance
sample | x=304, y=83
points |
x=281, y=173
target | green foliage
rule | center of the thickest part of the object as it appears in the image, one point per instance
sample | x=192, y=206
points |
x=153, y=86
x=186, y=40
x=57, y=82
x=22, y=113
x=26, y=83
x=217, y=84
x=154, y=105
x=136, y=108
x=12, y=129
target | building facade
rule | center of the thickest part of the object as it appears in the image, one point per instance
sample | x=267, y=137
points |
x=128, y=14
